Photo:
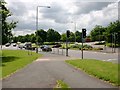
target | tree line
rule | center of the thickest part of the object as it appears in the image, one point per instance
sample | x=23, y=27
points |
x=110, y=33
x=51, y=35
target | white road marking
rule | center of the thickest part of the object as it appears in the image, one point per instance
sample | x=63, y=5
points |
x=43, y=60
x=110, y=60
x=104, y=53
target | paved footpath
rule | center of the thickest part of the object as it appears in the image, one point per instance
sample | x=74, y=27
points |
x=44, y=72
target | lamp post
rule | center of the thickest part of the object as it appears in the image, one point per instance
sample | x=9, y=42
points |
x=37, y=23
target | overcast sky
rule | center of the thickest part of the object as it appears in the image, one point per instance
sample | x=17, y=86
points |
x=62, y=15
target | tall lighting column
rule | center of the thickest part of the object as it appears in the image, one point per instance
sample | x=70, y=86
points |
x=37, y=22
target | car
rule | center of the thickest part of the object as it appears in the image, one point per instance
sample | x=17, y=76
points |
x=7, y=44
x=46, y=48
x=42, y=46
x=21, y=46
x=57, y=46
x=14, y=44
x=28, y=46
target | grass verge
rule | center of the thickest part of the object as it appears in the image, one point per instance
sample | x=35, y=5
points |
x=107, y=71
x=13, y=60
x=62, y=85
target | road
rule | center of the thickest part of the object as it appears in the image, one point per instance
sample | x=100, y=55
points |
x=95, y=55
x=112, y=57
x=44, y=72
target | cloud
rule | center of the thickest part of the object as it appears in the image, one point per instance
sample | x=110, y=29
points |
x=59, y=16
x=86, y=7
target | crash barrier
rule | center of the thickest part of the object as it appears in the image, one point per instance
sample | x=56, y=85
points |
x=110, y=50
x=58, y=51
x=55, y=51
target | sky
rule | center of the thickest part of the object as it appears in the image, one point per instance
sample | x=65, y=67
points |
x=62, y=15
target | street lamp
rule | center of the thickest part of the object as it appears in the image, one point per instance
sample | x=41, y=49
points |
x=37, y=22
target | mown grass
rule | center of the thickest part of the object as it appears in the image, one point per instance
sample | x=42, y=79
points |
x=62, y=85
x=107, y=71
x=13, y=60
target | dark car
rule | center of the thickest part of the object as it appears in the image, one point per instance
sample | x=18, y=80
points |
x=42, y=46
x=7, y=44
x=57, y=46
x=46, y=48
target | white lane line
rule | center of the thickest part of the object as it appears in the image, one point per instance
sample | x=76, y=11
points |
x=43, y=60
x=104, y=53
x=110, y=60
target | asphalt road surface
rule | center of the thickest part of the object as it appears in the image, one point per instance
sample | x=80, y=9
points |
x=112, y=57
x=44, y=72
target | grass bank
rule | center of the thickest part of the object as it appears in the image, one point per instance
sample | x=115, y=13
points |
x=107, y=71
x=13, y=60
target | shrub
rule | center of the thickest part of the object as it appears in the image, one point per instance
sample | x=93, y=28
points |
x=49, y=43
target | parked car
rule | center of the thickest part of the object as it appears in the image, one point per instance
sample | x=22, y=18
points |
x=7, y=44
x=57, y=46
x=28, y=46
x=46, y=48
x=14, y=44
x=21, y=46
x=43, y=46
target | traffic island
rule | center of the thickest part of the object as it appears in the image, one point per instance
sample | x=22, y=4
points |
x=106, y=71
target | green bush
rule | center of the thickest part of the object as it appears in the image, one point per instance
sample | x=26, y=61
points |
x=75, y=46
x=97, y=48
x=100, y=43
x=49, y=43
x=85, y=47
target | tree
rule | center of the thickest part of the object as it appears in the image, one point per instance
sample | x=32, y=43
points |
x=97, y=34
x=63, y=37
x=72, y=37
x=78, y=36
x=113, y=28
x=6, y=26
x=53, y=36
x=33, y=38
x=42, y=34
x=15, y=39
x=39, y=40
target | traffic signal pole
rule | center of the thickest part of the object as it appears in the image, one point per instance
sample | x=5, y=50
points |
x=83, y=36
x=82, y=46
x=67, y=46
x=68, y=35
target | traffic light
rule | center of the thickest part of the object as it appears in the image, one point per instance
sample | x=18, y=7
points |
x=68, y=33
x=84, y=33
